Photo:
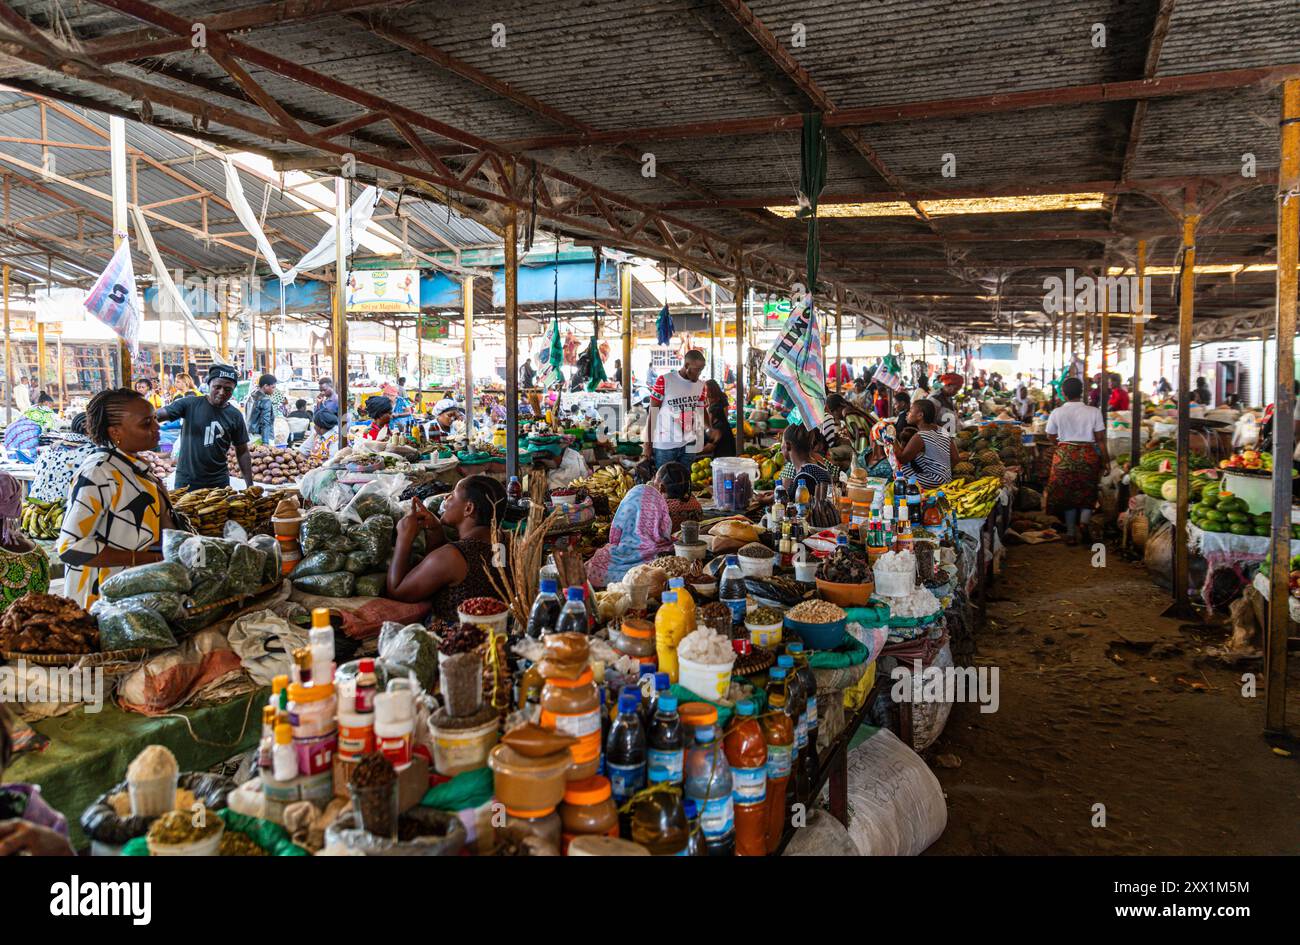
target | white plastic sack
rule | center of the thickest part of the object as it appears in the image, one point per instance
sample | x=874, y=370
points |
x=571, y=467
x=896, y=806
x=1245, y=431
x=823, y=836
x=265, y=642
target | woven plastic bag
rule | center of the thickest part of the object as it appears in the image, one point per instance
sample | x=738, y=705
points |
x=896, y=804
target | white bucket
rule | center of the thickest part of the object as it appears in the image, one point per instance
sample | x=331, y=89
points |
x=462, y=749
x=756, y=567
x=895, y=583
x=708, y=680
x=765, y=634
x=495, y=624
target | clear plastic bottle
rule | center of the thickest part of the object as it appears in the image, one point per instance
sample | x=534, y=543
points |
x=732, y=591
x=573, y=615
x=708, y=783
x=666, y=742
x=625, y=748
x=695, y=847
x=545, y=613
x=266, y=746
x=659, y=823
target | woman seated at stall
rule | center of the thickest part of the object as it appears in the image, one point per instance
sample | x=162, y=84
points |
x=451, y=571
x=380, y=411
x=28, y=825
x=674, y=481
x=854, y=423
x=117, y=509
x=721, y=437
x=798, y=445
x=57, y=463
x=323, y=438
x=641, y=531
x=930, y=454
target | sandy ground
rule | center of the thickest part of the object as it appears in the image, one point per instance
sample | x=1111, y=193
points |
x=1104, y=701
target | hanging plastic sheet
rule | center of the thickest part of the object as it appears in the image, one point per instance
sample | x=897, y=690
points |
x=168, y=286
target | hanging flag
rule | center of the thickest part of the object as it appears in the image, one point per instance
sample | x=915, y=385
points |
x=664, y=325
x=795, y=362
x=556, y=357
x=112, y=298
x=596, y=365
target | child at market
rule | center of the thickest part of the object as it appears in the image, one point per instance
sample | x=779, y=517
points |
x=27, y=824
x=452, y=571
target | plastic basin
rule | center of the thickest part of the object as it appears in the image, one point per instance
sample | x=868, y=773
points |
x=846, y=595
x=818, y=636
x=710, y=680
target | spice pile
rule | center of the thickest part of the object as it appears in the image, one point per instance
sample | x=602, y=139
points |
x=47, y=623
x=844, y=567
x=816, y=611
x=374, y=790
x=756, y=550
x=178, y=827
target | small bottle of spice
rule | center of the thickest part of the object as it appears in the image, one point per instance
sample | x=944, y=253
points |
x=321, y=641
x=283, y=757
x=365, y=687
x=266, y=746
x=302, y=665
x=395, y=723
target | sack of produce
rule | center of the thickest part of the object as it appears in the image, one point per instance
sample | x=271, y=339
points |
x=374, y=537
x=331, y=584
x=172, y=539
x=108, y=820
x=372, y=585
x=411, y=649
x=160, y=576
x=271, y=567
x=168, y=604
x=379, y=497
x=318, y=562
x=207, y=559
x=319, y=530
x=358, y=562
x=246, y=564
x=125, y=625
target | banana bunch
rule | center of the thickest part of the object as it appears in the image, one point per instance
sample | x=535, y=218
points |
x=609, y=481
x=976, y=498
x=41, y=519
x=209, y=509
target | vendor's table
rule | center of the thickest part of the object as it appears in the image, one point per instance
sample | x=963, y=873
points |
x=834, y=771
x=89, y=753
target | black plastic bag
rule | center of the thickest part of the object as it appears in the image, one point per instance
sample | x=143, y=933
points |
x=101, y=823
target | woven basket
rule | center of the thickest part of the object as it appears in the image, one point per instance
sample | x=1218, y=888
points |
x=1138, y=530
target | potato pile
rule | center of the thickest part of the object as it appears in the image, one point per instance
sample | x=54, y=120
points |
x=271, y=464
x=160, y=465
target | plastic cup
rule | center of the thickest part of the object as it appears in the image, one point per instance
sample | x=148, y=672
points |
x=375, y=808
x=153, y=797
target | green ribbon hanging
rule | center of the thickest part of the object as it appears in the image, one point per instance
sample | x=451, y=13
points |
x=812, y=180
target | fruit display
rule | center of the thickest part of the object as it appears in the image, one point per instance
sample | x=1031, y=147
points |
x=1220, y=511
x=209, y=509
x=1252, y=460
x=974, y=499
x=272, y=464
x=989, y=450
x=41, y=519
x=702, y=475
x=609, y=481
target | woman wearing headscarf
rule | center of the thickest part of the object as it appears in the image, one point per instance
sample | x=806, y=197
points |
x=674, y=481
x=117, y=509
x=945, y=400
x=380, y=410
x=642, y=529
x=23, y=566
x=322, y=439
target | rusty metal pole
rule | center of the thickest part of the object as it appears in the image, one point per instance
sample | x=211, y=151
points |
x=1181, y=606
x=625, y=300
x=1288, y=254
x=511, y=239
x=1139, y=326
x=339, y=322
x=467, y=303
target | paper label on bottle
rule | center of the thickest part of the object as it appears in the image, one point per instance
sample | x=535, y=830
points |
x=718, y=817
x=737, y=611
x=780, y=759
x=396, y=748
x=624, y=780
x=749, y=785
x=355, y=741
x=666, y=764
x=584, y=726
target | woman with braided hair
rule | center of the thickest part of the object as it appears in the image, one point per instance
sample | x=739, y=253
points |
x=117, y=509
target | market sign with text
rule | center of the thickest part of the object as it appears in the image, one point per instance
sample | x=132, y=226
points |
x=776, y=311
x=384, y=290
x=434, y=328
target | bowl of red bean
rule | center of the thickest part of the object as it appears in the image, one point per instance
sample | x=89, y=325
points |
x=486, y=612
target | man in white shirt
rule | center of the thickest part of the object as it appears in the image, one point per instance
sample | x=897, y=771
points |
x=22, y=395
x=675, y=428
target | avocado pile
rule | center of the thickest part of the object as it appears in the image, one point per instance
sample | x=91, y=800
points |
x=1220, y=511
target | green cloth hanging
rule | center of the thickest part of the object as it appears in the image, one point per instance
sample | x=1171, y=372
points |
x=812, y=179
x=596, y=366
x=556, y=357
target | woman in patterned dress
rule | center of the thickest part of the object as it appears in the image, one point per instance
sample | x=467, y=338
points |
x=57, y=463
x=117, y=509
x=1078, y=459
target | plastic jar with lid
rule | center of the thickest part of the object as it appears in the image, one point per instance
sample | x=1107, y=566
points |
x=313, y=710
x=572, y=707
x=542, y=824
x=588, y=808
x=635, y=638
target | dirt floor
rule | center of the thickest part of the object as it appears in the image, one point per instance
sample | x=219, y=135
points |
x=1104, y=701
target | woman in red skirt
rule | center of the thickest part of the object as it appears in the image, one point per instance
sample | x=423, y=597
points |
x=1078, y=460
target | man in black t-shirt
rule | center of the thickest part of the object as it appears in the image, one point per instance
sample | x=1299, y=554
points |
x=212, y=426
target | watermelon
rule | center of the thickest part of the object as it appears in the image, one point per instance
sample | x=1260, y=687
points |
x=1151, y=461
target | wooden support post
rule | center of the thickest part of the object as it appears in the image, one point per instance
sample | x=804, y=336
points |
x=1288, y=254
x=1139, y=326
x=740, y=363
x=223, y=322
x=512, y=328
x=1087, y=341
x=467, y=303
x=1103, y=391
x=63, y=387
x=839, y=346
x=1181, y=607
x=625, y=301
x=338, y=323
x=41, y=373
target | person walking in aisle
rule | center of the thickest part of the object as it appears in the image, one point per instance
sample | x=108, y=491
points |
x=1079, y=459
